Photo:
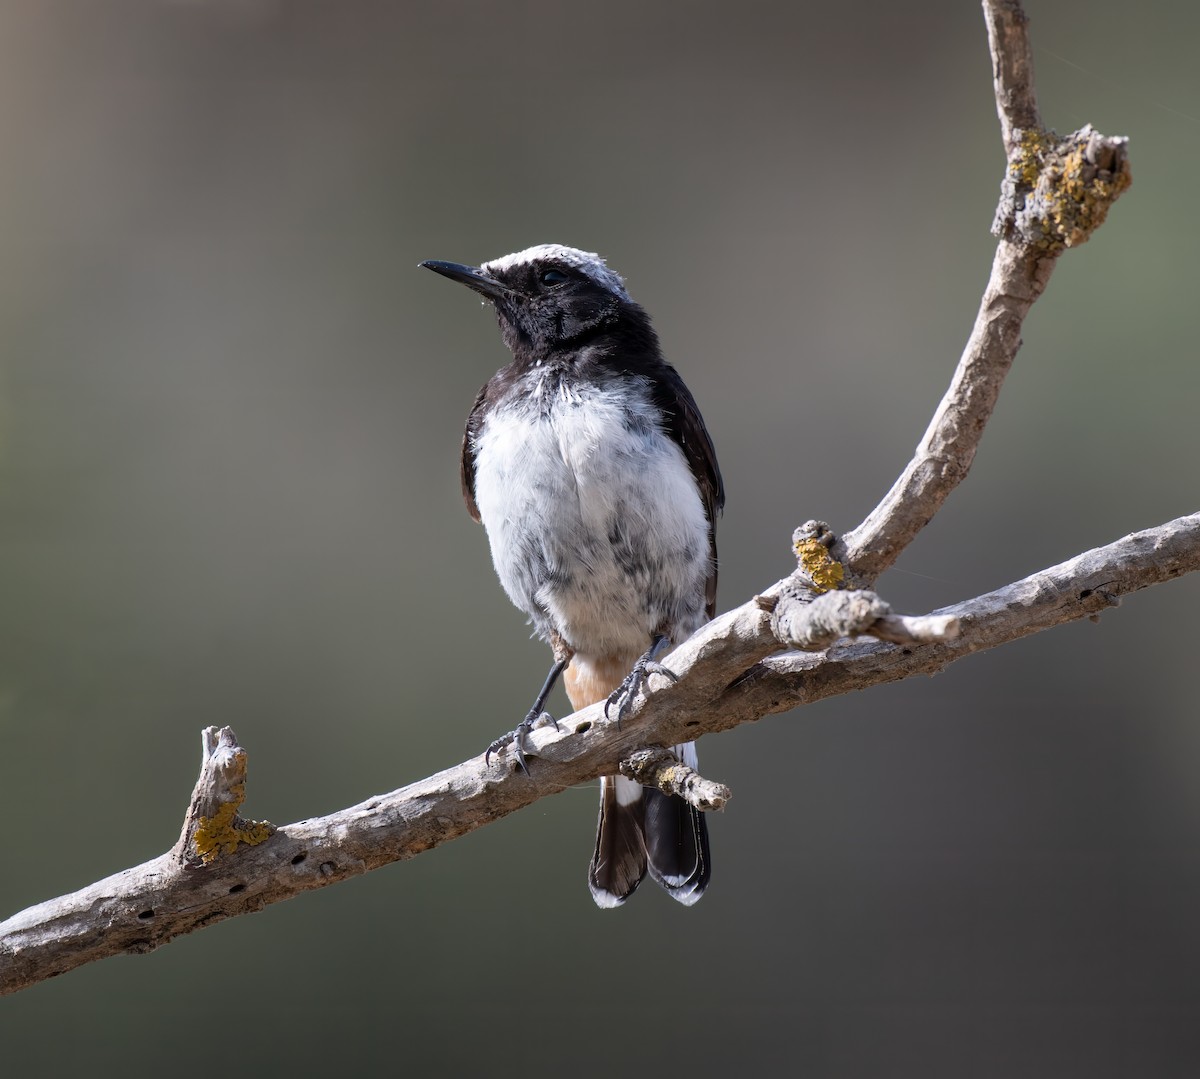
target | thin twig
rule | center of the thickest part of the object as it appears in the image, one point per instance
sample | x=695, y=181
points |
x=660, y=768
x=1012, y=70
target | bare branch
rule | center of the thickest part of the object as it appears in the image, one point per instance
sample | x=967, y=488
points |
x=1055, y=193
x=726, y=679
x=1082, y=587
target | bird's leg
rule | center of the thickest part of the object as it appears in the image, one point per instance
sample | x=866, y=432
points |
x=622, y=697
x=562, y=656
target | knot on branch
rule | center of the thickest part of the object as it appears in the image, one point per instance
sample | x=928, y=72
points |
x=1057, y=191
x=660, y=768
x=812, y=621
x=810, y=609
x=212, y=826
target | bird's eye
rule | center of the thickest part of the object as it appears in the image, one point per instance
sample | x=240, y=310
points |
x=553, y=277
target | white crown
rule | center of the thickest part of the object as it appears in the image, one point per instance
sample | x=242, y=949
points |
x=584, y=261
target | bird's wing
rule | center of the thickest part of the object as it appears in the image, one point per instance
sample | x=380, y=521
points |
x=686, y=426
x=467, y=466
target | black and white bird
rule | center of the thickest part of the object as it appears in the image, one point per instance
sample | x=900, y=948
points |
x=588, y=463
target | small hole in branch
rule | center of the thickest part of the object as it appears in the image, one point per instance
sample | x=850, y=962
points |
x=585, y=726
x=146, y=915
x=237, y=888
x=300, y=857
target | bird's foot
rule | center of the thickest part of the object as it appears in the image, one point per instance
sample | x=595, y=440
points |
x=621, y=699
x=516, y=738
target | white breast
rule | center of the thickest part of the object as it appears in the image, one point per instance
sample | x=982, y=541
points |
x=595, y=521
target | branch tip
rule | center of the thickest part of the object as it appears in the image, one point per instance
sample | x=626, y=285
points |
x=660, y=768
x=212, y=827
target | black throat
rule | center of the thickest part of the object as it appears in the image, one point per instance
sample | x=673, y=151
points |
x=624, y=343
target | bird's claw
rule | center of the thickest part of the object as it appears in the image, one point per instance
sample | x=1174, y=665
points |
x=622, y=697
x=516, y=738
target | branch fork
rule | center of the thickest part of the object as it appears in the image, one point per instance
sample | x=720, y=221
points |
x=810, y=610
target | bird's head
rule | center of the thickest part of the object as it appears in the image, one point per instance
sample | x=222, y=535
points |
x=546, y=297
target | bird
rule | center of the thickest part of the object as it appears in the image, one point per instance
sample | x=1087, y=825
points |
x=589, y=465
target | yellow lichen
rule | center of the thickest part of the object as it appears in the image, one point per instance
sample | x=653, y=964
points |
x=1026, y=163
x=223, y=831
x=1074, y=195
x=825, y=571
x=673, y=777
x=1062, y=188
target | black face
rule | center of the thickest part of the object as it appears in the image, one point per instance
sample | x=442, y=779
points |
x=541, y=305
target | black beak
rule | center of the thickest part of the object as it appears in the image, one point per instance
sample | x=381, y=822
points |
x=470, y=276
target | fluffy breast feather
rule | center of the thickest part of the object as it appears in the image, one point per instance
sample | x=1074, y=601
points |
x=595, y=521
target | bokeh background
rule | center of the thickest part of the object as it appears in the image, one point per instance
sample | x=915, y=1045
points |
x=231, y=408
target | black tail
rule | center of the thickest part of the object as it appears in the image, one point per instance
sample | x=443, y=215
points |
x=642, y=829
x=619, y=863
x=677, y=846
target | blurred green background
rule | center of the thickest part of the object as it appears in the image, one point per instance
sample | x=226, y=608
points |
x=231, y=408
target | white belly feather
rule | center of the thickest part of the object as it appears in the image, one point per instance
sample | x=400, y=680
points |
x=595, y=522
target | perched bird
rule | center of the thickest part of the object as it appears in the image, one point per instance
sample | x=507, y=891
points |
x=588, y=463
